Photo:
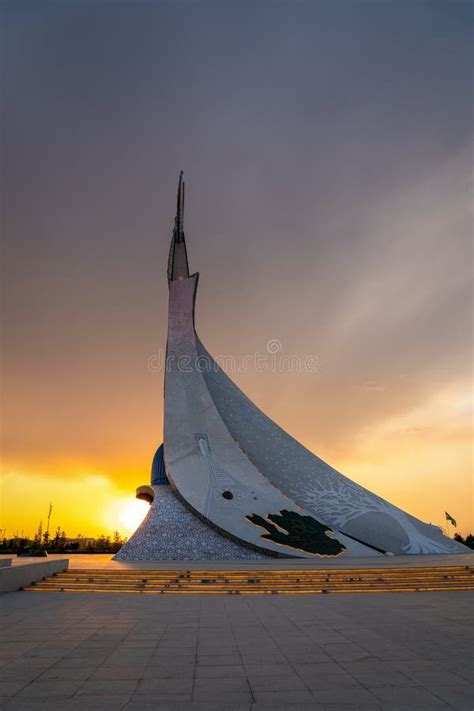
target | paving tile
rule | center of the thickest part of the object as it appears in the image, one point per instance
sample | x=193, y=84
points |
x=108, y=672
x=282, y=698
x=330, y=668
x=49, y=688
x=220, y=672
x=392, y=678
x=110, y=687
x=409, y=706
x=151, y=704
x=31, y=704
x=168, y=673
x=169, y=666
x=436, y=678
x=120, y=663
x=286, y=706
x=277, y=683
x=98, y=655
x=366, y=706
x=223, y=698
x=168, y=698
x=459, y=664
x=215, y=685
x=16, y=649
x=174, y=659
x=160, y=687
x=266, y=670
x=460, y=697
x=392, y=653
x=372, y=666
x=51, y=649
x=336, y=682
x=74, y=663
x=10, y=688
x=217, y=659
x=346, y=652
x=249, y=660
x=414, y=695
x=308, y=658
x=94, y=703
x=57, y=671
x=23, y=670
x=178, y=645
x=344, y=695
x=130, y=643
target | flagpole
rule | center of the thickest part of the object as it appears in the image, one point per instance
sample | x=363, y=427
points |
x=49, y=516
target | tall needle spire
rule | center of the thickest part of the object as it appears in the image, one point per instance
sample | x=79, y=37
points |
x=179, y=219
x=178, y=259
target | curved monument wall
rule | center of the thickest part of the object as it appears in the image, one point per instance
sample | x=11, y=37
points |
x=308, y=480
x=205, y=462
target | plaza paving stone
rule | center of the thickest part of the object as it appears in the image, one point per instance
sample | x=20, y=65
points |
x=84, y=652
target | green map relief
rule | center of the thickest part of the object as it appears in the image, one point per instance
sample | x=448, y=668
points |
x=303, y=532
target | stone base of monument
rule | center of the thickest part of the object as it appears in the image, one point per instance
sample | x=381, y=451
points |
x=171, y=531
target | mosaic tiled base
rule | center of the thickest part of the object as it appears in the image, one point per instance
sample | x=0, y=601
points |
x=170, y=531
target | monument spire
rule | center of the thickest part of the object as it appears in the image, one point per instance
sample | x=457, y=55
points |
x=178, y=259
x=179, y=219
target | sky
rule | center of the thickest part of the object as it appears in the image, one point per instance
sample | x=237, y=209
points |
x=327, y=150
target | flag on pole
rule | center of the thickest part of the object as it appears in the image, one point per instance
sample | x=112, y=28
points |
x=450, y=518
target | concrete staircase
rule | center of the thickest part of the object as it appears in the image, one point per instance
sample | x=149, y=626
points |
x=260, y=582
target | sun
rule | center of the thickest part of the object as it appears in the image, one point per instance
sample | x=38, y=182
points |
x=132, y=514
x=126, y=514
